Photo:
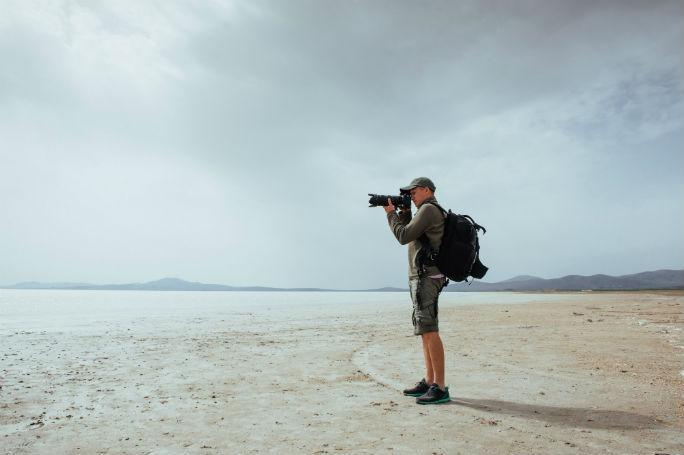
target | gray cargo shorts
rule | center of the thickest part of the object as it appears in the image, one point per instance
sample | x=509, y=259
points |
x=425, y=295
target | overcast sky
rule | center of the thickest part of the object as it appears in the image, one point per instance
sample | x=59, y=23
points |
x=235, y=142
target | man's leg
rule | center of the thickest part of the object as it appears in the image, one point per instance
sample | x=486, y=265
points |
x=424, y=385
x=429, y=371
x=433, y=350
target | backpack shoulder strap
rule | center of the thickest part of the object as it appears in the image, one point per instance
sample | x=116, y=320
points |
x=441, y=209
x=423, y=238
x=427, y=253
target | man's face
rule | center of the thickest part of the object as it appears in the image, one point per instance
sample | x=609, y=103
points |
x=419, y=194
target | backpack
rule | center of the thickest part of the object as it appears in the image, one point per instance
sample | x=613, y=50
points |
x=458, y=256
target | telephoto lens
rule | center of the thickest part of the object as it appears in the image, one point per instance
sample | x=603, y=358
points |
x=402, y=202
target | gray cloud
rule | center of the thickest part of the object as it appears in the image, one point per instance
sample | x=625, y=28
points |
x=235, y=143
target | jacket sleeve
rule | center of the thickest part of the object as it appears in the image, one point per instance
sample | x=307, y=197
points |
x=411, y=228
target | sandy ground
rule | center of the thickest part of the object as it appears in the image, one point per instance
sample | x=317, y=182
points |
x=592, y=373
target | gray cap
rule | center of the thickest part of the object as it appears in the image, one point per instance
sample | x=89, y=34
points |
x=420, y=181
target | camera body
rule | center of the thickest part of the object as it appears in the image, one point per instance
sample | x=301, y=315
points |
x=403, y=201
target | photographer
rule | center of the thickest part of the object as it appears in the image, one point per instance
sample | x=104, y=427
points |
x=425, y=282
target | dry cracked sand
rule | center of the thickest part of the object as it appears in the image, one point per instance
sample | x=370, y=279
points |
x=581, y=373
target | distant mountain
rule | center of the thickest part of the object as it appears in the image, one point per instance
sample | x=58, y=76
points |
x=165, y=284
x=659, y=279
x=37, y=285
x=521, y=278
x=386, y=289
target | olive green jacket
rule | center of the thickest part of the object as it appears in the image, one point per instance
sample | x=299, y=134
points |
x=407, y=229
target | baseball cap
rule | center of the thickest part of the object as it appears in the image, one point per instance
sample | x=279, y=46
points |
x=420, y=181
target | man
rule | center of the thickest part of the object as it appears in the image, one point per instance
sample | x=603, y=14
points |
x=425, y=282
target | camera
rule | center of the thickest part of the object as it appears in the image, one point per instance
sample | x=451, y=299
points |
x=402, y=202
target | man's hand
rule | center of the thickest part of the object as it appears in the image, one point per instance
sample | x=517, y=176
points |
x=389, y=207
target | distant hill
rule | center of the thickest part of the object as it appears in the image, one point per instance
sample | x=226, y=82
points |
x=386, y=289
x=165, y=284
x=659, y=279
x=521, y=278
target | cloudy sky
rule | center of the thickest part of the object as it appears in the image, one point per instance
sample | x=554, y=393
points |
x=234, y=142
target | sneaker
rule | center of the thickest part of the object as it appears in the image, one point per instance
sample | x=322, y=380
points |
x=420, y=389
x=434, y=395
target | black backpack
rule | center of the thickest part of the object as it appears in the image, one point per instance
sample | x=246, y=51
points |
x=458, y=256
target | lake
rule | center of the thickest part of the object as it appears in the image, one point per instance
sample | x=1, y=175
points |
x=84, y=310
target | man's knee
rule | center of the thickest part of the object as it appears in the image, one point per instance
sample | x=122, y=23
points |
x=428, y=336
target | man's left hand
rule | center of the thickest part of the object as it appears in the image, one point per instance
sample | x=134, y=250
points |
x=389, y=207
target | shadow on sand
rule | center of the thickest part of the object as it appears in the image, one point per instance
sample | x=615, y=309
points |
x=572, y=417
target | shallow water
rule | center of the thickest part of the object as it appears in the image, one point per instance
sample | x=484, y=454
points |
x=65, y=310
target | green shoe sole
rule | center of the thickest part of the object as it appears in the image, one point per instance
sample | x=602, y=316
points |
x=443, y=400
x=413, y=394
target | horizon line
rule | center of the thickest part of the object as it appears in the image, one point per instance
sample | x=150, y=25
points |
x=298, y=288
